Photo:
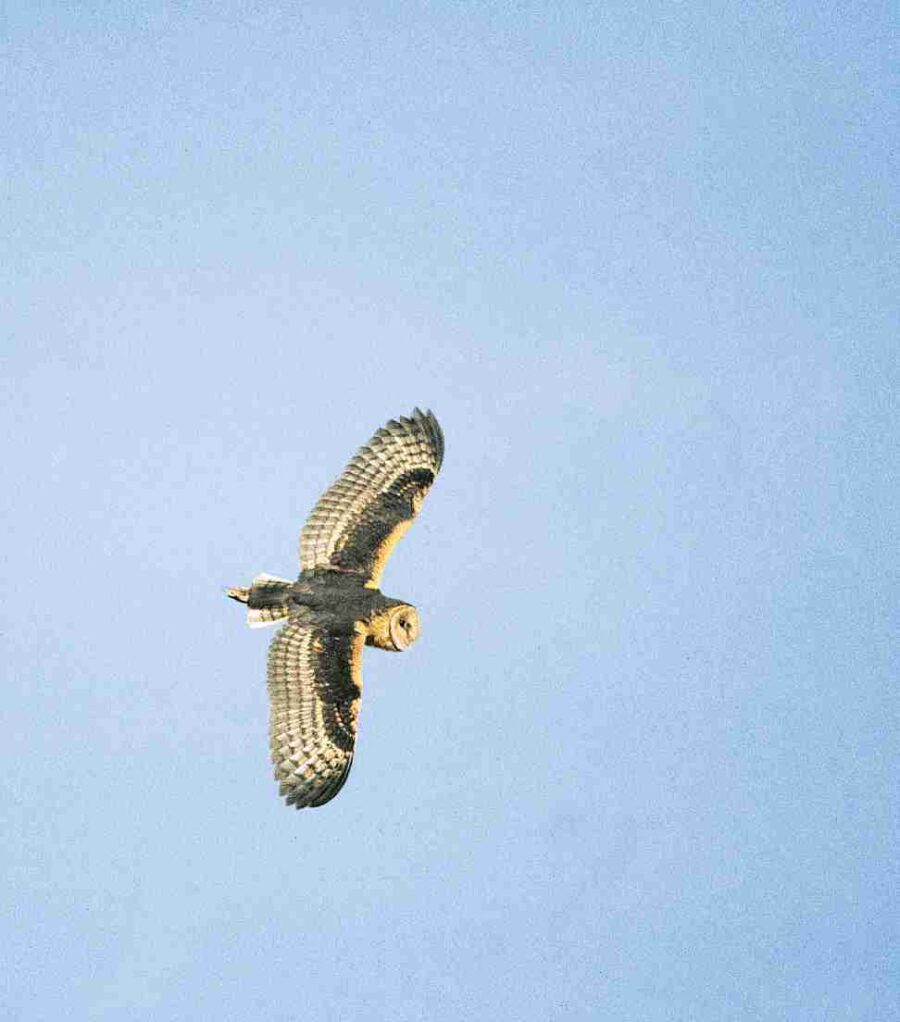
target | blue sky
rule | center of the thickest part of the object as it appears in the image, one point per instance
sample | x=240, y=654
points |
x=640, y=260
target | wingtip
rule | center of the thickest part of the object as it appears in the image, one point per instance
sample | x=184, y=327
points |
x=429, y=419
x=428, y=423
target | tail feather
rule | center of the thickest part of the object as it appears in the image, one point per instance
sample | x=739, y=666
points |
x=267, y=599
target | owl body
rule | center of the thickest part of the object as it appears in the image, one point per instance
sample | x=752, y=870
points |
x=338, y=600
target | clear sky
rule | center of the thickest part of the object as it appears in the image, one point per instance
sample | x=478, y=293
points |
x=639, y=260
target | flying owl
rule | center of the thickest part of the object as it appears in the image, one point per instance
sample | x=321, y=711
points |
x=335, y=607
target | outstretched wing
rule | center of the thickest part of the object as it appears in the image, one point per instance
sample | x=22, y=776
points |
x=360, y=517
x=315, y=683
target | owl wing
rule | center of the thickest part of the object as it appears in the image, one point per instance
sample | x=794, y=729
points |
x=315, y=683
x=358, y=520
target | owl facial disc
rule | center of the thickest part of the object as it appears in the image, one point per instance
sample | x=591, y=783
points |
x=403, y=627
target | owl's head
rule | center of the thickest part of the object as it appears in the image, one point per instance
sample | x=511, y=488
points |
x=395, y=628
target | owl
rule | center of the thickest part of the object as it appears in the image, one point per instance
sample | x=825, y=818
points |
x=335, y=607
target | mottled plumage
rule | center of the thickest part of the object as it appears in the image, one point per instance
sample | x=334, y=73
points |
x=335, y=607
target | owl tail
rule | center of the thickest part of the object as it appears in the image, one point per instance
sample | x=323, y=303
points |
x=266, y=598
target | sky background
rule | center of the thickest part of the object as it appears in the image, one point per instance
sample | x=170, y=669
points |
x=639, y=259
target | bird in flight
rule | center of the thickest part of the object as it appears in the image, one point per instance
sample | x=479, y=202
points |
x=335, y=607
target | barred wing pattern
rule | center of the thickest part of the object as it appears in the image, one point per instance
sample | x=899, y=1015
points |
x=315, y=684
x=358, y=520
